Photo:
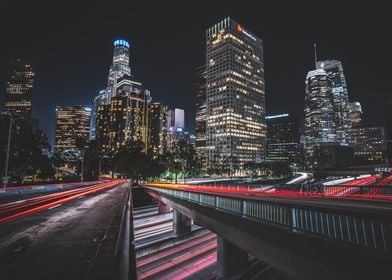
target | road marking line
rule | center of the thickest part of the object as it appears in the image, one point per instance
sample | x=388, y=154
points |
x=54, y=206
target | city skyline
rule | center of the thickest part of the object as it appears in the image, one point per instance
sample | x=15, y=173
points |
x=287, y=58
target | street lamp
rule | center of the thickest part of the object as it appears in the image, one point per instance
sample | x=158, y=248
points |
x=82, y=159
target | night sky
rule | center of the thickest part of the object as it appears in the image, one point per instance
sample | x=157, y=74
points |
x=71, y=45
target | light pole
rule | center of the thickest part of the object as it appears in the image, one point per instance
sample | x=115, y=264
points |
x=81, y=154
x=7, y=157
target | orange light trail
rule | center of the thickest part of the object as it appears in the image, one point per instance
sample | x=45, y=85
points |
x=59, y=199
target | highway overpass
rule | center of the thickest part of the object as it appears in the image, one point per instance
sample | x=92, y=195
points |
x=304, y=237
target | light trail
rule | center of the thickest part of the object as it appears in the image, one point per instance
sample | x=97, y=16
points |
x=55, y=185
x=191, y=268
x=380, y=187
x=190, y=255
x=46, y=203
x=175, y=249
x=346, y=191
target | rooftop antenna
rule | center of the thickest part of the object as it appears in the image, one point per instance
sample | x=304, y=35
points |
x=315, y=55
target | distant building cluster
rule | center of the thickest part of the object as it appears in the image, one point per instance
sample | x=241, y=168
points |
x=335, y=136
x=124, y=112
x=231, y=122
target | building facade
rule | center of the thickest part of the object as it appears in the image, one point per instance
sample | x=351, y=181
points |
x=119, y=68
x=356, y=113
x=334, y=69
x=19, y=88
x=157, y=114
x=175, y=118
x=121, y=113
x=102, y=127
x=175, y=129
x=369, y=144
x=319, y=114
x=235, y=94
x=201, y=114
x=283, y=138
x=72, y=122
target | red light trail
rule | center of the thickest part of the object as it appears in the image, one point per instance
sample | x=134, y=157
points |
x=346, y=191
x=21, y=208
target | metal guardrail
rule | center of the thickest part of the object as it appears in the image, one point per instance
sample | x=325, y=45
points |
x=124, y=255
x=360, y=228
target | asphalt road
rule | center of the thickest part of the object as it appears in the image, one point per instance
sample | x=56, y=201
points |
x=75, y=240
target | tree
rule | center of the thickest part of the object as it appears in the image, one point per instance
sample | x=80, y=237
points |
x=279, y=168
x=28, y=151
x=184, y=158
x=94, y=160
x=132, y=162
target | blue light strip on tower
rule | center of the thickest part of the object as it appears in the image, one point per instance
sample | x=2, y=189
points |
x=121, y=43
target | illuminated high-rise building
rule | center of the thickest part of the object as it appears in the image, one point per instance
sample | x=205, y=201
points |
x=139, y=98
x=157, y=114
x=175, y=118
x=369, y=144
x=72, y=122
x=319, y=113
x=102, y=128
x=19, y=88
x=100, y=99
x=175, y=127
x=201, y=113
x=119, y=68
x=334, y=69
x=235, y=94
x=355, y=113
x=119, y=122
x=122, y=108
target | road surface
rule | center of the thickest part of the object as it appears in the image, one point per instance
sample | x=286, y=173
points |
x=70, y=240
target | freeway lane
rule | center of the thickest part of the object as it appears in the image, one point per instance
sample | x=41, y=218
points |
x=359, y=203
x=20, y=208
x=65, y=241
x=179, y=261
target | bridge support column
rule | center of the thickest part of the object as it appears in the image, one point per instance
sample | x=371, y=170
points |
x=181, y=224
x=231, y=260
x=163, y=208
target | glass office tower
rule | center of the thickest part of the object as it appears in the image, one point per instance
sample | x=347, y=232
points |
x=235, y=94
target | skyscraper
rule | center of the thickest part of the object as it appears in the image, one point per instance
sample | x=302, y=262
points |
x=19, y=88
x=119, y=125
x=283, y=138
x=319, y=112
x=102, y=128
x=157, y=114
x=122, y=108
x=201, y=113
x=356, y=113
x=175, y=126
x=139, y=98
x=235, y=94
x=369, y=144
x=120, y=67
x=100, y=99
x=72, y=122
x=334, y=69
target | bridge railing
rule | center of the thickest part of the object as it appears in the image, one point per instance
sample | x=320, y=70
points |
x=363, y=228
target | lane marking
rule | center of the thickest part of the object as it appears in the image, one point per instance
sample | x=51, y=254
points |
x=54, y=206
